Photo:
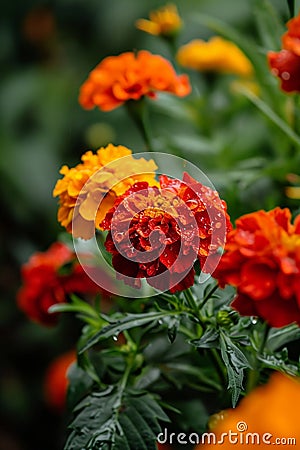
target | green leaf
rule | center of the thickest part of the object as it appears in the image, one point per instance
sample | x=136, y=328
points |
x=280, y=336
x=269, y=112
x=79, y=385
x=125, y=323
x=209, y=339
x=173, y=327
x=269, y=25
x=235, y=362
x=116, y=420
x=280, y=361
x=291, y=5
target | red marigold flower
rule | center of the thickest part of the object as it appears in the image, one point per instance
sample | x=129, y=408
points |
x=286, y=63
x=291, y=39
x=130, y=76
x=158, y=233
x=286, y=66
x=262, y=259
x=56, y=381
x=44, y=285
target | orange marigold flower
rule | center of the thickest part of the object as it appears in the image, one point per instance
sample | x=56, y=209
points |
x=130, y=76
x=88, y=186
x=158, y=233
x=56, y=381
x=45, y=284
x=285, y=64
x=164, y=21
x=268, y=415
x=262, y=259
x=217, y=55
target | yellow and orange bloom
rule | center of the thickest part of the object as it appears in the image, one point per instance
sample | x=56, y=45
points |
x=56, y=381
x=164, y=21
x=285, y=64
x=262, y=260
x=87, y=191
x=215, y=55
x=266, y=417
x=130, y=76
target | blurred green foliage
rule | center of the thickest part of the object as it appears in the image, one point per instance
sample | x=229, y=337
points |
x=47, y=51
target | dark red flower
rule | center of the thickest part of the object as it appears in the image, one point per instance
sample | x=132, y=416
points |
x=45, y=283
x=286, y=63
x=286, y=66
x=262, y=259
x=158, y=233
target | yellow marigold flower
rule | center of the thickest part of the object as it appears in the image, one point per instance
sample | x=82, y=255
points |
x=103, y=187
x=268, y=415
x=293, y=192
x=164, y=21
x=216, y=55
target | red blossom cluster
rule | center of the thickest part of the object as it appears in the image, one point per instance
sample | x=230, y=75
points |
x=262, y=259
x=158, y=233
x=46, y=283
x=286, y=63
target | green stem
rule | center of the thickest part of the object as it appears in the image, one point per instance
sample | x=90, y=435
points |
x=253, y=375
x=138, y=111
x=291, y=6
x=219, y=365
x=190, y=300
x=208, y=295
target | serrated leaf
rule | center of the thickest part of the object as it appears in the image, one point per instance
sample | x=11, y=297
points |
x=125, y=323
x=280, y=336
x=173, y=327
x=235, y=362
x=115, y=420
x=80, y=384
x=280, y=361
x=209, y=339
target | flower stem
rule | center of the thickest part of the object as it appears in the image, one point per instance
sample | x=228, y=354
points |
x=291, y=5
x=253, y=376
x=190, y=299
x=208, y=295
x=138, y=111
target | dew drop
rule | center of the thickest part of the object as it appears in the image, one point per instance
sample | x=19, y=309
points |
x=115, y=338
x=254, y=320
x=285, y=76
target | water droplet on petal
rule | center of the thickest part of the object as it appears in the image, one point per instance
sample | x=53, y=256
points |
x=285, y=76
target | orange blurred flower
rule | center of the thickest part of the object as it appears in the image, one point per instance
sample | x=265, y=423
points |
x=286, y=63
x=217, y=55
x=56, y=381
x=262, y=259
x=44, y=285
x=130, y=76
x=164, y=21
x=268, y=415
x=90, y=182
